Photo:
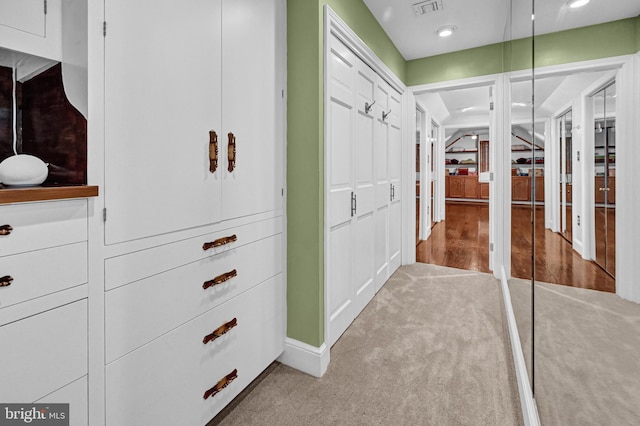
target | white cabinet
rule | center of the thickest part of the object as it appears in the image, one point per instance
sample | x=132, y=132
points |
x=43, y=305
x=180, y=76
x=363, y=169
x=24, y=15
x=32, y=26
x=165, y=381
x=44, y=353
x=193, y=189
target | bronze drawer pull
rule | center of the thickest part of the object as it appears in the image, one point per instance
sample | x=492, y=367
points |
x=6, y=281
x=223, y=383
x=223, y=329
x=213, y=151
x=231, y=152
x=220, y=242
x=6, y=229
x=220, y=279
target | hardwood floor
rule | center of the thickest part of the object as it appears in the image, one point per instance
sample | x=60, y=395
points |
x=462, y=241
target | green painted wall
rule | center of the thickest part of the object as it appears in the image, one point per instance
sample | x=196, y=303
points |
x=581, y=44
x=452, y=66
x=305, y=151
x=638, y=34
x=305, y=120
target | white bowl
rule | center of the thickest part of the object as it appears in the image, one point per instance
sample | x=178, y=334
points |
x=23, y=170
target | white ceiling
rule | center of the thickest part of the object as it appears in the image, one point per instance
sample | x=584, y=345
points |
x=482, y=22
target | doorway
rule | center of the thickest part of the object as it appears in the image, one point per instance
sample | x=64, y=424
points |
x=456, y=152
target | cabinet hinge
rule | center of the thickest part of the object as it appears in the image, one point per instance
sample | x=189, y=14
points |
x=282, y=93
x=282, y=191
x=490, y=106
x=104, y=28
x=45, y=7
x=490, y=246
x=104, y=214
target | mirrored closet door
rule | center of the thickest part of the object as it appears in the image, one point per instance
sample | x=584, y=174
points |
x=604, y=102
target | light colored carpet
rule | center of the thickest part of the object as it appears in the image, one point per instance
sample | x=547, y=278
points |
x=587, y=354
x=430, y=349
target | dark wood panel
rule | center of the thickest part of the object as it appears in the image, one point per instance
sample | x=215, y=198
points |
x=53, y=130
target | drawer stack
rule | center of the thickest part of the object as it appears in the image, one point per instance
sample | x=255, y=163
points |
x=43, y=305
x=199, y=316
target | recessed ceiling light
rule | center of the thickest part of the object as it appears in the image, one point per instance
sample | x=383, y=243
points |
x=465, y=109
x=521, y=104
x=577, y=3
x=446, y=31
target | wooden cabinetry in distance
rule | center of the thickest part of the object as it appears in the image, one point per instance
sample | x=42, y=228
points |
x=520, y=188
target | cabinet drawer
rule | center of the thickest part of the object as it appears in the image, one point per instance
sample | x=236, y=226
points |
x=42, y=272
x=43, y=353
x=121, y=270
x=164, y=382
x=42, y=225
x=74, y=394
x=139, y=312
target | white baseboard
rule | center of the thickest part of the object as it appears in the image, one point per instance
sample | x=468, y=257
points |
x=527, y=402
x=306, y=358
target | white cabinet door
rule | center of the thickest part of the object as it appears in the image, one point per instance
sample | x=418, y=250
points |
x=341, y=119
x=251, y=105
x=382, y=183
x=364, y=221
x=162, y=97
x=23, y=15
x=395, y=176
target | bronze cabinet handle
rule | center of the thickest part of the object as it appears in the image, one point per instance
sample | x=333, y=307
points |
x=223, y=329
x=6, y=281
x=6, y=229
x=220, y=279
x=220, y=242
x=213, y=151
x=223, y=383
x=231, y=152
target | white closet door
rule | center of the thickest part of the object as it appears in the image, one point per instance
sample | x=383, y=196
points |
x=341, y=130
x=364, y=226
x=382, y=183
x=251, y=98
x=395, y=176
x=162, y=97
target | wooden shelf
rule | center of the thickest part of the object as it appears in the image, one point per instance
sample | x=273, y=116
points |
x=44, y=193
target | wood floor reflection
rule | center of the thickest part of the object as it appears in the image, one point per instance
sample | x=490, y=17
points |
x=462, y=241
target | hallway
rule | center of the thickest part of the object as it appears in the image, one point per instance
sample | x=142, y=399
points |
x=462, y=241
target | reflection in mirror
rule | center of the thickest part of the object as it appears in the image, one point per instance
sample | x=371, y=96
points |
x=605, y=177
x=585, y=340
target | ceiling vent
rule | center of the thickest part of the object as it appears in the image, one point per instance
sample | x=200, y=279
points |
x=429, y=6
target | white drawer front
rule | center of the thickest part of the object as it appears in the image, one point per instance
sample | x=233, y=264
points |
x=164, y=382
x=42, y=225
x=42, y=272
x=135, y=266
x=74, y=394
x=139, y=312
x=44, y=352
